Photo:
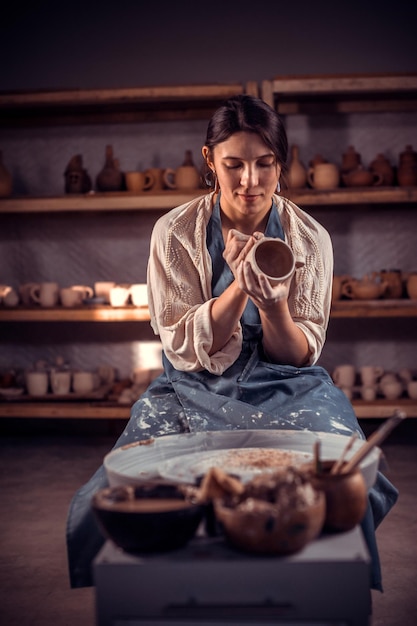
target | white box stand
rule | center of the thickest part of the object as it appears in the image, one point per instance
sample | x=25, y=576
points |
x=208, y=583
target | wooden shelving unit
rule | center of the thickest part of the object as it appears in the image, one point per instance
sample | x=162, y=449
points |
x=289, y=95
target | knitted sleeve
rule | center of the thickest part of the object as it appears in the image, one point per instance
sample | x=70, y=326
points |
x=179, y=286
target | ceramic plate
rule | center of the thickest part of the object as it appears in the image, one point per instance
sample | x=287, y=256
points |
x=165, y=456
x=245, y=463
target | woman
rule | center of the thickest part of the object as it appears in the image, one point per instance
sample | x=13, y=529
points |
x=238, y=353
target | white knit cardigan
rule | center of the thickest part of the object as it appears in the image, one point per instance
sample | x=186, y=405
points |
x=179, y=284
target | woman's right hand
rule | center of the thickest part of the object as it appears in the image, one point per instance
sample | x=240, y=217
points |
x=237, y=248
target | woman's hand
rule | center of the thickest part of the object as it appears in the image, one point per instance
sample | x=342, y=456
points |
x=258, y=287
x=237, y=248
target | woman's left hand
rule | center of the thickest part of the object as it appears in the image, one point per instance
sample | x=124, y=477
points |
x=258, y=287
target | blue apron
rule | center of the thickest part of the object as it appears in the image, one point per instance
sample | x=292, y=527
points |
x=251, y=394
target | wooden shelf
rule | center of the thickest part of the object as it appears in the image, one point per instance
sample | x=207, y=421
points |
x=165, y=200
x=75, y=314
x=102, y=410
x=170, y=102
x=340, y=309
x=374, y=308
x=341, y=94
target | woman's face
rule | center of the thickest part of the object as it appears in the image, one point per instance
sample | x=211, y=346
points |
x=247, y=173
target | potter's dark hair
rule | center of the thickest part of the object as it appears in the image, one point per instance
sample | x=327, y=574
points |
x=249, y=114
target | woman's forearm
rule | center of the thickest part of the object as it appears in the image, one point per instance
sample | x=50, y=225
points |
x=226, y=312
x=283, y=341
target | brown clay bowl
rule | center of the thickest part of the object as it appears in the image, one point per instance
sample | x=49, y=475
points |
x=264, y=527
x=153, y=517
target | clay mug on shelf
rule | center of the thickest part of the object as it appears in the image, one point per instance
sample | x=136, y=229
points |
x=83, y=382
x=157, y=174
x=70, y=297
x=85, y=291
x=37, y=383
x=370, y=374
x=274, y=258
x=60, y=381
x=46, y=294
x=139, y=181
x=324, y=176
x=24, y=293
x=344, y=375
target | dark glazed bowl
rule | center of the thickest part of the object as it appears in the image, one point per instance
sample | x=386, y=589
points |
x=149, y=518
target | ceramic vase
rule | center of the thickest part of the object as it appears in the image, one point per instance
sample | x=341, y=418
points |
x=297, y=173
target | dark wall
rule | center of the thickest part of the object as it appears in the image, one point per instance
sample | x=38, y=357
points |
x=51, y=44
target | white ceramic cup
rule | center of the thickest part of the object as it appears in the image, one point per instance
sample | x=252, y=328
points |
x=344, y=375
x=37, y=383
x=139, y=294
x=83, y=382
x=119, y=296
x=24, y=292
x=60, y=382
x=370, y=374
x=274, y=258
x=102, y=289
x=45, y=294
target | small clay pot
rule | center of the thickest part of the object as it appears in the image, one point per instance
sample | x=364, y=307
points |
x=382, y=166
x=350, y=160
x=346, y=496
x=360, y=177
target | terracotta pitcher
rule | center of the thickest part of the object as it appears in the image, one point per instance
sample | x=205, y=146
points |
x=184, y=177
x=297, y=173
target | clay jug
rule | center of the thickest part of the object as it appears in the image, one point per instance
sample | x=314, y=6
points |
x=184, y=177
x=76, y=177
x=407, y=168
x=6, y=183
x=382, y=166
x=350, y=160
x=110, y=178
x=297, y=173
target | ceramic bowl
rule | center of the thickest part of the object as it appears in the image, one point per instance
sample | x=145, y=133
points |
x=153, y=517
x=280, y=524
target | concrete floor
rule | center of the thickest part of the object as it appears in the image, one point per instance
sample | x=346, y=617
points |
x=43, y=465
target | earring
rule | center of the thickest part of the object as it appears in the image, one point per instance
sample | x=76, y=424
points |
x=278, y=187
x=210, y=179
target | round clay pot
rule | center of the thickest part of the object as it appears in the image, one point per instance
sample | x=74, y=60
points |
x=361, y=177
x=346, y=496
x=350, y=160
x=382, y=166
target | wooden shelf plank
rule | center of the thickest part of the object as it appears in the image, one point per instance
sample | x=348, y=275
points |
x=340, y=309
x=109, y=411
x=64, y=410
x=111, y=201
x=165, y=200
x=374, y=308
x=75, y=314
